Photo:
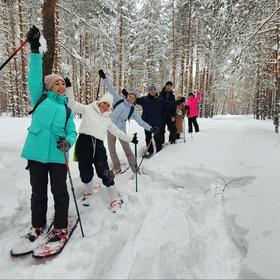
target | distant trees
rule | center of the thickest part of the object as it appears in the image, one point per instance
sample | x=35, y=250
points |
x=228, y=49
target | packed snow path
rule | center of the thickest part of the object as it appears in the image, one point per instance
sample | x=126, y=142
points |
x=180, y=224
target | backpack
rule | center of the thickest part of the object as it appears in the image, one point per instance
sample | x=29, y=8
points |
x=131, y=108
x=41, y=99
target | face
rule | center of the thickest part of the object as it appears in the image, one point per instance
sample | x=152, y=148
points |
x=152, y=92
x=104, y=107
x=168, y=88
x=191, y=97
x=59, y=87
x=131, y=98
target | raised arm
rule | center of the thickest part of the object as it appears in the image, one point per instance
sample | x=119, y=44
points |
x=35, y=77
x=74, y=105
x=109, y=86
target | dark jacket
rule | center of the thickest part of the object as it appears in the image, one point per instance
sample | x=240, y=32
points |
x=169, y=111
x=153, y=107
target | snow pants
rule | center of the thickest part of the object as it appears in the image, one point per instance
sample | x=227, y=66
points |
x=193, y=122
x=113, y=153
x=91, y=151
x=39, y=173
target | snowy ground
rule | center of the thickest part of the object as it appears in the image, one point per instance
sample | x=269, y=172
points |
x=207, y=208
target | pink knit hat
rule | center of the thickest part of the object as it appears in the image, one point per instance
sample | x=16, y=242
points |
x=51, y=79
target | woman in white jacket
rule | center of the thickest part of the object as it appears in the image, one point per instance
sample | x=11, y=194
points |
x=89, y=147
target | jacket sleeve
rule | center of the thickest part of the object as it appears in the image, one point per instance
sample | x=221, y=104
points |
x=74, y=105
x=70, y=130
x=109, y=86
x=35, y=77
x=140, y=101
x=118, y=133
x=140, y=121
x=198, y=96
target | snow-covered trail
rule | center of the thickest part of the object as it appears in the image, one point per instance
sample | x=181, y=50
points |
x=178, y=225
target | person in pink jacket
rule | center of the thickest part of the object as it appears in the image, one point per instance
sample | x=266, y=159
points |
x=192, y=105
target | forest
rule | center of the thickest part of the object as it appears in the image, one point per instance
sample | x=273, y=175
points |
x=227, y=49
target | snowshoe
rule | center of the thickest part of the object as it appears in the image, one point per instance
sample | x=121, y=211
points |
x=34, y=238
x=55, y=240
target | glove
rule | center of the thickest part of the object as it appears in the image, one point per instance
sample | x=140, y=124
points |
x=63, y=145
x=67, y=82
x=124, y=92
x=134, y=140
x=154, y=130
x=182, y=99
x=33, y=37
x=102, y=74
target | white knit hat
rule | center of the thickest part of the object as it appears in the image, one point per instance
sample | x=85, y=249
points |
x=108, y=98
x=51, y=79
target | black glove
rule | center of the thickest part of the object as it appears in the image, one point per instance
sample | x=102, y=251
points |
x=102, y=74
x=134, y=140
x=182, y=99
x=154, y=130
x=33, y=37
x=124, y=92
x=63, y=145
x=67, y=82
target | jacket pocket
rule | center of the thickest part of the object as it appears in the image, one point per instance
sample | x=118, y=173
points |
x=34, y=129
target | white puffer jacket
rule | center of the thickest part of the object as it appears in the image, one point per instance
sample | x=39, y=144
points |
x=94, y=122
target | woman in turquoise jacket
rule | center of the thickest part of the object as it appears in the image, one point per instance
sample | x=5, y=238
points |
x=50, y=134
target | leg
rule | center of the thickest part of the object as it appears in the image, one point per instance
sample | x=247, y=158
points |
x=39, y=197
x=190, y=125
x=172, y=131
x=112, y=150
x=196, y=127
x=101, y=165
x=148, y=138
x=158, y=142
x=129, y=154
x=162, y=129
x=84, y=151
x=58, y=174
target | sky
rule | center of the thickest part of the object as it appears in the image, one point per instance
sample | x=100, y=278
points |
x=205, y=208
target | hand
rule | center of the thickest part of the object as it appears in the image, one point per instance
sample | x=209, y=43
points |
x=67, y=82
x=101, y=74
x=63, y=145
x=173, y=119
x=33, y=37
x=134, y=140
x=124, y=92
x=182, y=99
x=154, y=130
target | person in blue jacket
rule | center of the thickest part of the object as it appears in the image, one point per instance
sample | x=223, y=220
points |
x=49, y=136
x=153, y=106
x=123, y=110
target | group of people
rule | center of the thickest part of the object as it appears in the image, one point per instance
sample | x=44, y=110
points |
x=52, y=133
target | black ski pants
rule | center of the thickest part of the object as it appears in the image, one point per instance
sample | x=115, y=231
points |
x=157, y=138
x=39, y=173
x=193, y=122
x=166, y=121
x=91, y=151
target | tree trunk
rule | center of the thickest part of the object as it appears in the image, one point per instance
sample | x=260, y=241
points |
x=174, y=51
x=24, y=94
x=48, y=14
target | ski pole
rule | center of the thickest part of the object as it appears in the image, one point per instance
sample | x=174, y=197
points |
x=144, y=154
x=98, y=88
x=184, y=129
x=136, y=168
x=13, y=54
x=73, y=192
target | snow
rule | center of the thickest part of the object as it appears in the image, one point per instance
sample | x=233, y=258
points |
x=207, y=209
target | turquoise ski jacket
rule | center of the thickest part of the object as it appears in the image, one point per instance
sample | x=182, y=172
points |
x=48, y=120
